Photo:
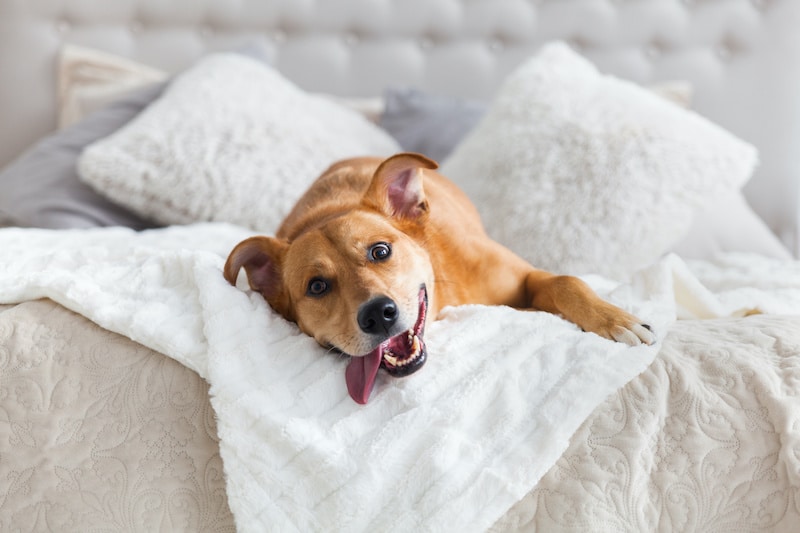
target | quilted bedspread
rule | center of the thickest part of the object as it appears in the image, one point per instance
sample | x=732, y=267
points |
x=468, y=438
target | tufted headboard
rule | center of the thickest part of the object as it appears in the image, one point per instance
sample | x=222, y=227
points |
x=741, y=56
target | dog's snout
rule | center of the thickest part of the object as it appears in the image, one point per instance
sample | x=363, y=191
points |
x=378, y=315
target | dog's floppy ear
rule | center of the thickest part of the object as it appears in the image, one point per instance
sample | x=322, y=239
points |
x=396, y=188
x=262, y=259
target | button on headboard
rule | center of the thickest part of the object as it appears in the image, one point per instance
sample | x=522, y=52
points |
x=741, y=56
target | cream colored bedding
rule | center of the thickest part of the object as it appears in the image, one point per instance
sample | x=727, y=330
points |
x=706, y=439
x=101, y=433
x=98, y=433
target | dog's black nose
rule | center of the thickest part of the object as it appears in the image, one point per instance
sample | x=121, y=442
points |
x=377, y=315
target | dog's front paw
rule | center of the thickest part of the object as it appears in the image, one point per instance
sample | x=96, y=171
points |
x=617, y=325
x=633, y=334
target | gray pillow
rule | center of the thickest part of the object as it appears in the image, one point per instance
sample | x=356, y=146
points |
x=41, y=188
x=429, y=124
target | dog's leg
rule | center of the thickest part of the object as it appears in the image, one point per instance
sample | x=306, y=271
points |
x=573, y=299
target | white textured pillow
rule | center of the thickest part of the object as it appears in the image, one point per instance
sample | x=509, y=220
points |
x=581, y=172
x=729, y=224
x=230, y=140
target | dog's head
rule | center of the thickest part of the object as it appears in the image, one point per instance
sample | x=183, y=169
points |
x=358, y=281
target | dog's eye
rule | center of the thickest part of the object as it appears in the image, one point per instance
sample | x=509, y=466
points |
x=317, y=287
x=380, y=251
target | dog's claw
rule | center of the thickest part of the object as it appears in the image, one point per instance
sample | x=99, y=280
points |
x=645, y=333
x=634, y=335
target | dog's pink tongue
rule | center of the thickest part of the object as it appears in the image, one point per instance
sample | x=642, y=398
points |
x=360, y=375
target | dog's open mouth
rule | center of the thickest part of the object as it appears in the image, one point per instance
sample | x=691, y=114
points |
x=400, y=355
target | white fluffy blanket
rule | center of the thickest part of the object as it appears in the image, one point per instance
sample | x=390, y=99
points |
x=452, y=447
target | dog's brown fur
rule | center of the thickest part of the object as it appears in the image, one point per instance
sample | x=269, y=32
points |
x=437, y=240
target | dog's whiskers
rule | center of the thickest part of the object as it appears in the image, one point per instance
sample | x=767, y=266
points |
x=332, y=348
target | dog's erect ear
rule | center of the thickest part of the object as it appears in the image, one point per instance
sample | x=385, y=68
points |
x=262, y=259
x=396, y=188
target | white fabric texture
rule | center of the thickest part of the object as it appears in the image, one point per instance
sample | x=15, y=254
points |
x=582, y=172
x=450, y=448
x=454, y=446
x=230, y=140
x=705, y=439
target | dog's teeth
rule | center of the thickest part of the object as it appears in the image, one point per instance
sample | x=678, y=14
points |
x=415, y=346
x=391, y=359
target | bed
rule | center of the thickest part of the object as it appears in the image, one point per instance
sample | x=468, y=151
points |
x=648, y=146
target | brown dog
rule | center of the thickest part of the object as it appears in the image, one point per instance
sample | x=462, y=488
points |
x=375, y=248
